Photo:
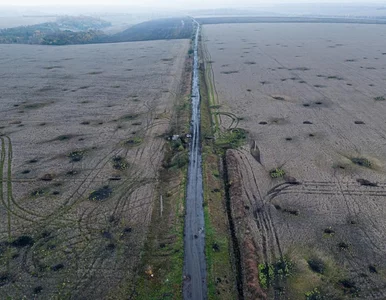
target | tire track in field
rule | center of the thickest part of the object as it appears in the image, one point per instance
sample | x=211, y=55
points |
x=6, y=205
x=270, y=242
x=9, y=190
x=10, y=198
x=81, y=236
x=326, y=188
x=347, y=192
x=353, y=260
x=84, y=222
x=211, y=81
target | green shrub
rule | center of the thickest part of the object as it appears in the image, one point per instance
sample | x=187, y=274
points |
x=232, y=139
x=269, y=272
x=277, y=173
x=380, y=98
x=313, y=295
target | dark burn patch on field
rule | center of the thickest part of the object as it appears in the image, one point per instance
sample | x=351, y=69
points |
x=23, y=241
x=37, y=290
x=278, y=98
x=120, y=163
x=366, y=182
x=36, y=105
x=38, y=192
x=316, y=265
x=65, y=137
x=53, y=67
x=47, y=177
x=372, y=269
x=101, y=194
x=329, y=231
x=132, y=142
x=291, y=211
x=72, y=173
x=129, y=117
x=5, y=278
x=229, y=72
x=95, y=72
x=361, y=161
x=349, y=287
x=57, y=267
x=299, y=69
x=76, y=156
x=334, y=77
x=343, y=246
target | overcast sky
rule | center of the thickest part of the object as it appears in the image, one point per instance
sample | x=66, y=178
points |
x=173, y=3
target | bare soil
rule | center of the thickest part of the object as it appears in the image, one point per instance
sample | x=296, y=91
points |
x=82, y=132
x=307, y=192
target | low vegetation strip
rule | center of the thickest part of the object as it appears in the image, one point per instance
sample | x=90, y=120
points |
x=221, y=253
x=161, y=272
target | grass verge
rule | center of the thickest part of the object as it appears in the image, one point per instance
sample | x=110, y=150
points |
x=220, y=271
x=159, y=276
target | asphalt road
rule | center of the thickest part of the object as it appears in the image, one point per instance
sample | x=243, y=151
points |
x=195, y=286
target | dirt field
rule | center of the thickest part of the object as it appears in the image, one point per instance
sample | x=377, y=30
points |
x=80, y=130
x=307, y=192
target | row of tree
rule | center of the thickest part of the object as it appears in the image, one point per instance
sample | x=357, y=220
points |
x=64, y=31
x=87, y=30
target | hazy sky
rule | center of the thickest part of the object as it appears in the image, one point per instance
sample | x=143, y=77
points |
x=173, y=3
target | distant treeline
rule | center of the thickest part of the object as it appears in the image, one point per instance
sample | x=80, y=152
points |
x=162, y=29
x=223, y=20
x=65, y=30
x=67, y=37
x=87, y=30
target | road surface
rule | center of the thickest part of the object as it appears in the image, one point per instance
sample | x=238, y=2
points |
x=194, y=286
